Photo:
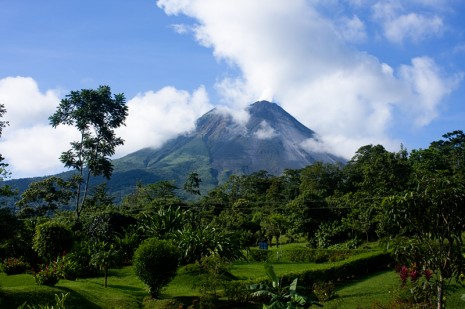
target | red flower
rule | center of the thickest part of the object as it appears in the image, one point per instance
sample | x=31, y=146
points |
x=403, y=274
x=428, y=274
x=414, y=274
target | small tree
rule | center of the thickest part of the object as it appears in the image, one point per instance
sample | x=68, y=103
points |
x=155, y=263
x=51, y=240
x=432, y=220
x=192, y=184
x=104, y=257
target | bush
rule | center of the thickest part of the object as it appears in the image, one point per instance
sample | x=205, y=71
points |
x=324, y=291
x=51, y=240
x=48, y=274
x=155, y=263
x=14, y=266
x=69, y=268
x=237, y=291
x=260, y=255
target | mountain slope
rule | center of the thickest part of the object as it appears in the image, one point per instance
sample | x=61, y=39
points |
x=271, y=140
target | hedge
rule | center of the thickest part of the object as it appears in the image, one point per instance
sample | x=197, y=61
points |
x=303, y=255
x=351, y=267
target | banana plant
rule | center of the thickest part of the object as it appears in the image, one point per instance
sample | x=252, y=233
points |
x=282, y=297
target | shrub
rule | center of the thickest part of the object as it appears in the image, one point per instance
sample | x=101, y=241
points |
x=155, y=263
x=260, y=255
x=417, y=286
x=69, y=268
x=237, y=291
x=51, y=240
x=324, y=291
x=48, y=274
x=79, y=260
x=13, y=266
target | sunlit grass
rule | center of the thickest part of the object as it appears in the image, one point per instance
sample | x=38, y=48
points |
x=125, y=290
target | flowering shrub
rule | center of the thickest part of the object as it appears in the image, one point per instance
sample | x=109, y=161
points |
x=416, y=285
x=13, y=266
x=324, y=291
x=48, y=274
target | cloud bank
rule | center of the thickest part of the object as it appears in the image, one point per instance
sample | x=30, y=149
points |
x=296, y=54
x=32, y=147
x=305, y=55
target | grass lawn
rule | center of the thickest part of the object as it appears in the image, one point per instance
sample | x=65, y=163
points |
x=126, y=291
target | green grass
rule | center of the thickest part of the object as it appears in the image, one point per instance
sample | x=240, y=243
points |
x=254, y=270
x=125, y=290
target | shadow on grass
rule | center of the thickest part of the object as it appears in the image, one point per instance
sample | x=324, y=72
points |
x=127, y=288
x=14, y=299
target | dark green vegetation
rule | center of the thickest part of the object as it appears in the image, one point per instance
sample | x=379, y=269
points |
x=325, y=224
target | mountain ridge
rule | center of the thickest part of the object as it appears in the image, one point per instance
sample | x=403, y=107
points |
x=219, y=146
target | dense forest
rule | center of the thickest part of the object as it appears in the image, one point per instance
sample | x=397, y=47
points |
x=410, y=202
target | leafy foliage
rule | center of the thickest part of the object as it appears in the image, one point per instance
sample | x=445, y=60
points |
x=195, y=244
x=95, y=114
x=45, y=197
x=51, y=240
x=281, y=296
x=48, y=274
x=155, y=263
x=14, y=266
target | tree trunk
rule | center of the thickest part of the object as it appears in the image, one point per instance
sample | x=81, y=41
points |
x=440, y=286
x=106, y=277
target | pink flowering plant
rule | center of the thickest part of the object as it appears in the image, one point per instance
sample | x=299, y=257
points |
x=48, y=274
x=13, y=266
x=417, y=286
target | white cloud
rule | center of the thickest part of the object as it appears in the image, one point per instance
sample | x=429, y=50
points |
x=412, y=26
x=32, y=147
x=429, y=86
x=352, y=29
x=155, y=117
x=400, y=24
x=288, y=51
x=265, y=131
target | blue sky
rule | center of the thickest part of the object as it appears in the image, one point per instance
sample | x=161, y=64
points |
x=357, y=71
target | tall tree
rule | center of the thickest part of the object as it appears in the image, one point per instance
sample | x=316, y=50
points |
x=96, y=114
x=45, y=196
x=3, y=124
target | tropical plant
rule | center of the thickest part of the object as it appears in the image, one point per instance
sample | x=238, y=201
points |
x=161, y=223
x=105, y=255
x=59, y=303
x=285, y=297
x=197, y=243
